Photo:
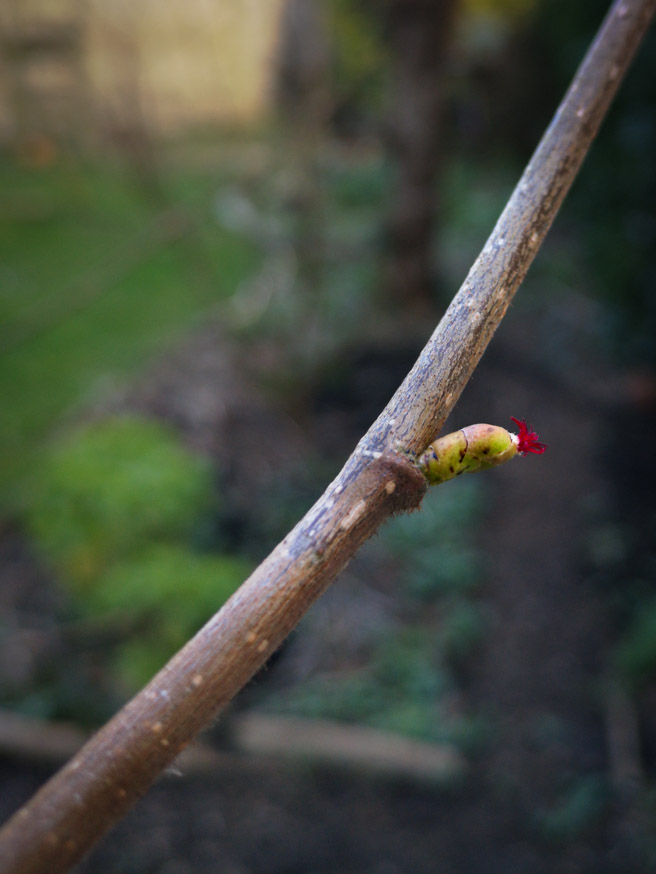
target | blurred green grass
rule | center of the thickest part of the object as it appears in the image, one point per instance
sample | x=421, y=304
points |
x=95, y=277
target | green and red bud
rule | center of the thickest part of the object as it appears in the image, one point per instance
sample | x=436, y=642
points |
x=476, y=447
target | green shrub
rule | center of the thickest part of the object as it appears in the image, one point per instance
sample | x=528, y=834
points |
x=109, y=490
x=461, y=629
x=436, y=545
x=174, y=591
x=636, y=653
x=114, y=514
x=580, y=807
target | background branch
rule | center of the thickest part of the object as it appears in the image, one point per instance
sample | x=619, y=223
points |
x=72, y=811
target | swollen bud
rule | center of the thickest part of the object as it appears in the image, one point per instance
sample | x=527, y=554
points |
x=476, y=447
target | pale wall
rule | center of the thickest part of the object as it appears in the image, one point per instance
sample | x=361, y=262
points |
x=177, y=62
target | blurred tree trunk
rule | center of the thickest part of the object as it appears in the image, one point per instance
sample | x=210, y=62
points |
x=418, y=32
x=304, y=99
x=301, y=87
x=303, y=96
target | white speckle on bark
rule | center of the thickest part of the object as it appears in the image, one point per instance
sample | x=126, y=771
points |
x=354, y=516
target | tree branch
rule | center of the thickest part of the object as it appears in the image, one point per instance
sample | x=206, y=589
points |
x=116, y=767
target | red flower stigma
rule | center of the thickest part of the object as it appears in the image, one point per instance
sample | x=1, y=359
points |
x=527, y=439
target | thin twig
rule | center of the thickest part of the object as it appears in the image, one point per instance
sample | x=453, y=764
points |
x=116, y=767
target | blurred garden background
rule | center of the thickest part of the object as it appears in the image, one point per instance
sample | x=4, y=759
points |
x=226, y=230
